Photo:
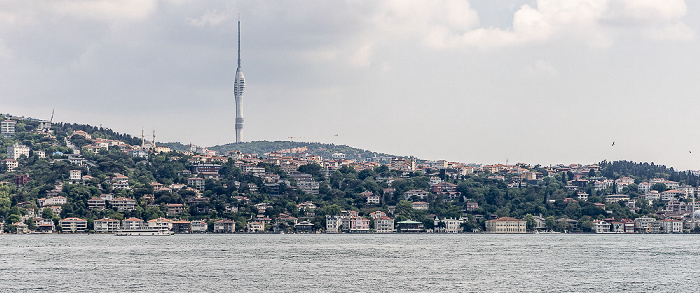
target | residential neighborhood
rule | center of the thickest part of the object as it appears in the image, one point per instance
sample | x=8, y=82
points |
x=70, y=178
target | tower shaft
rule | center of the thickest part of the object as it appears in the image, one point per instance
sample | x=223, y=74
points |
x=238, y=88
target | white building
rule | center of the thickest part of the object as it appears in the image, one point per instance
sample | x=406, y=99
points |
x=17, y=150
x=76, y=175
x=671, y=226
x=333, y=224
x=106, y=225
x=7, y=128
x=601, y=226
x=506, y=225
x=384, y=224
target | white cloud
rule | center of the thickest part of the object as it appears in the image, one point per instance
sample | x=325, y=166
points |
x=211, y=18
x=106, y=9
x=597, y=23
x=541, y=68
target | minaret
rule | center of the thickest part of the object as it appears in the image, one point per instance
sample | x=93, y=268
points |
x=238, y=87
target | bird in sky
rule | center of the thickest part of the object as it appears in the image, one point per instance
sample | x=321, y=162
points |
x=613, y=143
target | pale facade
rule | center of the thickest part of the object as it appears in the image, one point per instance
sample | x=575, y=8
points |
x=16, y=150
x=506, y=225
x=106, y=225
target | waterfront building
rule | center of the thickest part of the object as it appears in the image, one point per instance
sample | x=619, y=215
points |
x=304, y=227
x=224, y=226
x=506, y=225
x=333, y=224
x=384, y=224
x=409, y=226
x=133, y=223
x=182, y=227
x=106, y=225
x=73, y=225
x=162, y=224
x=198, y=226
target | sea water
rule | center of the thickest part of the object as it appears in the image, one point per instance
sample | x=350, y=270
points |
x=350, y=263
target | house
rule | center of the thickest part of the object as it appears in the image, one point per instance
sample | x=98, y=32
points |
x=133, y=223
x=17, y=150
x=672, y=194
x=123, y=204
x=384, y=224
x=372, y=198
x=304, y=227
x=224, y=226
x=443, y=187
x=255, y=227
x=409, y=226
x=198, y=226
x=613, y=198
x=451, y=225
x=671, y=226
x=76, y=175
x=471, y=206
x=73, y=225
x=21, y=227
x=644, y=187
x=119, y=181
x=377, y=214
x=643, y=224
x=182, y=227
x=7, y=128
x=359, y=225
x=506, y=225
x=21, y=179
x=421, y=194
x=82, y=133
x=96, y=203
x=11, y=164
x=196, y=183
x=44, y=225
x=175, y=208
x=52, y=201
x=420, y=205
x=287, y=219
x=106, y=225
x=309, y=186
x=333, y=224
x=162, y=224
x=600, y=226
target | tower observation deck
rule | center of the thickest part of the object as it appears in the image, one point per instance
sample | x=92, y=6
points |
x=238, y=87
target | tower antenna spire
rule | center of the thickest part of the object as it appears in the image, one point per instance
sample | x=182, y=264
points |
x=239, y=40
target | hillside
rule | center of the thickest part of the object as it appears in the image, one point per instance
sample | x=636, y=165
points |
x=314, y=148
x=47, y=181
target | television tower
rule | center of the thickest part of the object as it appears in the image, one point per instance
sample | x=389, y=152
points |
x=238, y=87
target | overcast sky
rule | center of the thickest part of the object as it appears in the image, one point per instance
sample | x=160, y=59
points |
x=472, y=81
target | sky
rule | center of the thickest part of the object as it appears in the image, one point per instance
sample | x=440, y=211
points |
x=481, y=81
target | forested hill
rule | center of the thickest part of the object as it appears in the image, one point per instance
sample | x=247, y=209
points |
x=314, y=148
x=646, y=171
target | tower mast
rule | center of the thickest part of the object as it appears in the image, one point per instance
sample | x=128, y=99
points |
x=238, y=87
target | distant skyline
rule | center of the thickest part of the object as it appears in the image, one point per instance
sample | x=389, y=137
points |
x=540, y=82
